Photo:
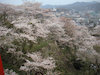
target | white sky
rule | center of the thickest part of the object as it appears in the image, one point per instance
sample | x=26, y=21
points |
x=53, y=2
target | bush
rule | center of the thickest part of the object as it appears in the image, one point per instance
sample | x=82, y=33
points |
x=38, y=16
x=14, y=62
x=8, y=24
x=97, y=48
x=28, y=46
x=19, y=31
x=4, y=20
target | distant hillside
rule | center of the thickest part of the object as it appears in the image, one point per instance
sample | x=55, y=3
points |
x=80, y=6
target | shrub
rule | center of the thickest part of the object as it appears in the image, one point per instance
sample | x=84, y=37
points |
x=28, y=46
x=14, y=62
x=19, y=31
x=38, y=16
x=97, y=48
x=4, y=20
x=8, y=24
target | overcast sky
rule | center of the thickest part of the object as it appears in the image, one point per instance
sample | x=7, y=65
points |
x=53, y=2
